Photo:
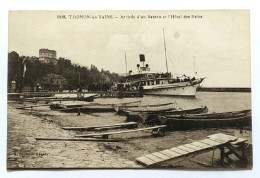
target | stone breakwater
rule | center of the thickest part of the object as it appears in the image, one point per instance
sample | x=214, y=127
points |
x=23, y=151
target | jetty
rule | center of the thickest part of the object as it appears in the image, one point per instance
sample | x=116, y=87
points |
x=212, y=142
x=88, y=96
x=118, y=94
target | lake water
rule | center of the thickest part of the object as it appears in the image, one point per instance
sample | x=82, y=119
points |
x=215, y=101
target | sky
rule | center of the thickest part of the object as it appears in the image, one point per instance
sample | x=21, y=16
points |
x=216, y=45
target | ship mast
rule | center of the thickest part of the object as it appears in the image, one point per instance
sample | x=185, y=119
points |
x=195, y=72
x=165, y=55
x=125, y=64
x=79, y=78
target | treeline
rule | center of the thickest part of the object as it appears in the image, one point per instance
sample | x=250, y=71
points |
x=27, y=72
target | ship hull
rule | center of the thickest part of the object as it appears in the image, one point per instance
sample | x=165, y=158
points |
x=184, y=89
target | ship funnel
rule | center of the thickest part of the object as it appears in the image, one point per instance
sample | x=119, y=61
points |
x=142, y=58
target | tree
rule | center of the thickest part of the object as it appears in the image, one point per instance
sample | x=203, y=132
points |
x=15, y=70
x=13, y=59
x=74, y=74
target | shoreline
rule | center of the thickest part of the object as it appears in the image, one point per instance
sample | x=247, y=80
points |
x=220, y=89
x=25, y=152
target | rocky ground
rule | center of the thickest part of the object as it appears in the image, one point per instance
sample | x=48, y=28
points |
x=25, y=152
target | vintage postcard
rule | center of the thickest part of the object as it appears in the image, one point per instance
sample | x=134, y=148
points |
x=129, y=89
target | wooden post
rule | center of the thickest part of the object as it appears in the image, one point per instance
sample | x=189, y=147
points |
x=222, y=152
x=241, y=157
x=244, y=159
x=212, y=160
x=78, y=111
x=171, y=126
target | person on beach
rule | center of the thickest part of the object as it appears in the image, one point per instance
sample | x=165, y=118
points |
x=79, y=90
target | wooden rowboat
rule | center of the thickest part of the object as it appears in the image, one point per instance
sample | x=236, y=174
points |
x=152, y=117
x=86, y=107
x=93, y=107
x=150, y=108
x=237, y=119
x=210, y=115
x=122, y=109
x=51, y=99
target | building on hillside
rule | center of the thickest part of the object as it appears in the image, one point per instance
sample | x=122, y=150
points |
x=53, y=82
x=48, y=56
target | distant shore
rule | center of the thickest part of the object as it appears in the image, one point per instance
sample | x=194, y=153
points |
x=201, y=89
x=220, y=89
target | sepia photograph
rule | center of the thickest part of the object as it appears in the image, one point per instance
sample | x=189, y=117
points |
x=165, y=89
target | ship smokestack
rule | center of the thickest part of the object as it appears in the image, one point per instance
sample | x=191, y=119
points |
x=142, y=58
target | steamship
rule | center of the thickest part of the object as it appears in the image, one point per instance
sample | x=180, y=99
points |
x=161, y=84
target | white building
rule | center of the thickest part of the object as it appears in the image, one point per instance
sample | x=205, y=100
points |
x=47, y=56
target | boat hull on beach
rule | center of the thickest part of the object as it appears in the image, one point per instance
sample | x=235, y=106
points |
x=236, y=119
x=152, y=108
x=152, y=117
x=87, y=107
x=73, y=107
x=122, y=109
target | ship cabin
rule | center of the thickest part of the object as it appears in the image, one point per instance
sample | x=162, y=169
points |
x=147, y=79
